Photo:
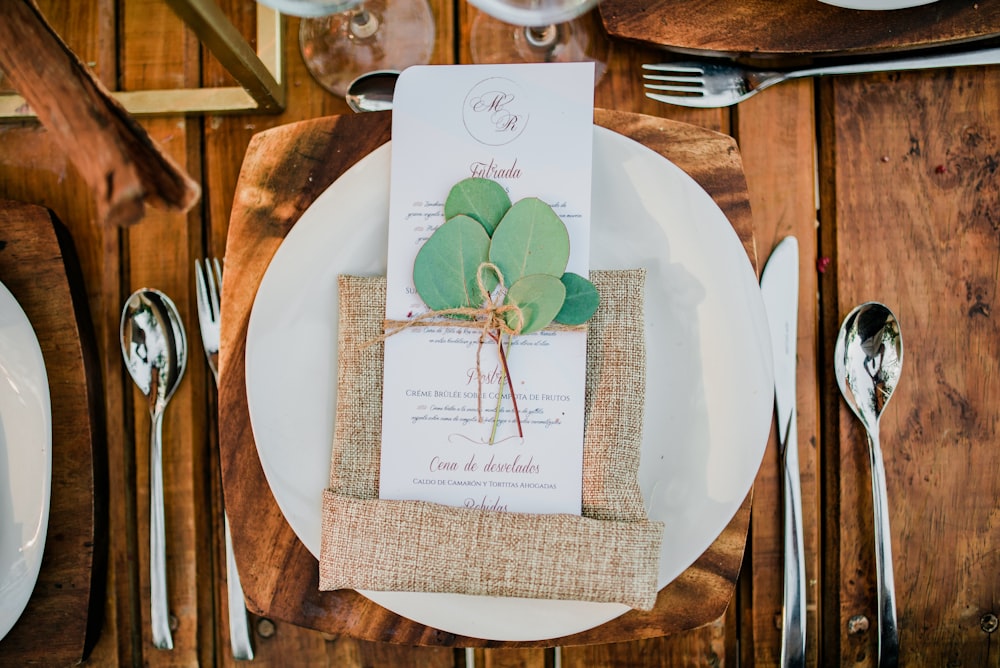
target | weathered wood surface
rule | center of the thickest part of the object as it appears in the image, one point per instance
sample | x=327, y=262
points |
x=804, y=29
x=39, y=267
x=777, y=139
x=936, y=227
x=914, y=196
x=286, y=169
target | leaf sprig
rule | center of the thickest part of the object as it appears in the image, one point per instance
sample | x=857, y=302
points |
x=502, y=263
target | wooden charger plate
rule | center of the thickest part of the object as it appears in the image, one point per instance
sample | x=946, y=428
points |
x=803, y=28
x=284, y=171
x=63, y=617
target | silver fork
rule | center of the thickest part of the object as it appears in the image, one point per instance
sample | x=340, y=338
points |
x=209, y=282
x=707, y=85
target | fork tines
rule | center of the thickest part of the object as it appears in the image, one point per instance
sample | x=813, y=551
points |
x=209, y=284
x=684, y=78
x=208, y=280
x=683, y=68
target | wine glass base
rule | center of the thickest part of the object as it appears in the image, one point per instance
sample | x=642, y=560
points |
x=579, y=40
x=377, y=35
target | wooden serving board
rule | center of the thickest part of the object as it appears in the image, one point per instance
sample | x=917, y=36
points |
x=63, y=617
x=285, y=169
x=797, y=28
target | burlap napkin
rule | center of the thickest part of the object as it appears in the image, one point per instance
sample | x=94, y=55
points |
x=609, y=554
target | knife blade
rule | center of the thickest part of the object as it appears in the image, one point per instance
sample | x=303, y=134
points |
x=779, y=286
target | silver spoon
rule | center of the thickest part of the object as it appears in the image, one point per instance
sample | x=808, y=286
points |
x=372, y=91
x=155, y=350
x=868, y=360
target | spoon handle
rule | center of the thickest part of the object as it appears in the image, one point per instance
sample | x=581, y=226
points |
x=888, y=641
x=159, y=612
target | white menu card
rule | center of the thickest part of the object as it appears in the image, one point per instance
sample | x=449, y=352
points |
x=529, y=128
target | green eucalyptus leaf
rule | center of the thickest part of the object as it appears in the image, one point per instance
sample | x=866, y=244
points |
x=539, y=296
x=481, y=199
x=444, y=271
x=581, y=301
x=530, y=239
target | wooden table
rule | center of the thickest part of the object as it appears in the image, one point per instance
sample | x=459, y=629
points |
x=903, y=169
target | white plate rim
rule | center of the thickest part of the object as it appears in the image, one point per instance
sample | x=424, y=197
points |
x=877, y=5
x=560, y=617
x=23, y=380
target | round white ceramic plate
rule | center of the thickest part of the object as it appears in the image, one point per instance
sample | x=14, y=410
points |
x=709, y=387
x=25, y=459
x=877, y=5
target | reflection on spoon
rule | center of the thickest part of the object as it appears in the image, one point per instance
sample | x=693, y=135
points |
x=154, y=347
x=372, y=91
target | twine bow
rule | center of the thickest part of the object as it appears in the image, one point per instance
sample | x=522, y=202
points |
x=491, y=319
x=488, y=318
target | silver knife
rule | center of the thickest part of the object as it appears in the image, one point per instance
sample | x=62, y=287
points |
x=779, y=285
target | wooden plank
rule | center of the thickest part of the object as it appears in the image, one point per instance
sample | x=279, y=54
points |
x=225, y=139
x=514, y=658
x=776, y=134
x=306, y=647
x=344, y=651
x=911, y=219
x=159, y=52
x=622, y=88
x=704, y=646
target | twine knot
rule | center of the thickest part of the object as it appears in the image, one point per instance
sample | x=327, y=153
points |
x=491, y=317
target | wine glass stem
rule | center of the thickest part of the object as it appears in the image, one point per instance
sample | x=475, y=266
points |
x=363, y=23
x=542, y=37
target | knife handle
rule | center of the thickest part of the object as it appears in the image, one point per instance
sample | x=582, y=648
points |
x=793, y=616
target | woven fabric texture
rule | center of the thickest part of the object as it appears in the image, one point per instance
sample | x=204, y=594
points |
x=610, y=553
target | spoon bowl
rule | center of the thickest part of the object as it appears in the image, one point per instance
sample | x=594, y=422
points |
x=868, y=361
x=372, y=91
x=154, y=347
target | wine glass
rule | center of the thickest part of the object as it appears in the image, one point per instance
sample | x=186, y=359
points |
x=343, y=39
x=538, y=31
